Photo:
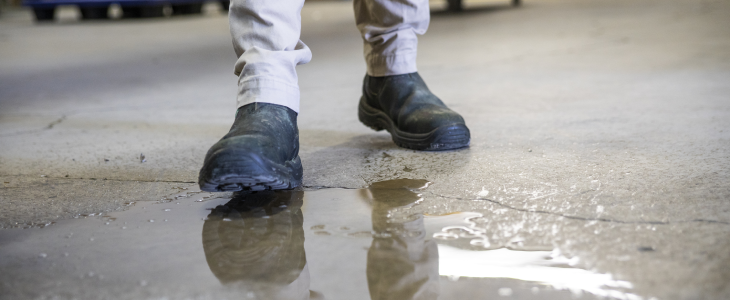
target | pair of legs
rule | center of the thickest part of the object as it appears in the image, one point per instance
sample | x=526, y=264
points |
x=261, y=150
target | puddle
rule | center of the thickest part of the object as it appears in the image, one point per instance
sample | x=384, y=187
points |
x=325, y=244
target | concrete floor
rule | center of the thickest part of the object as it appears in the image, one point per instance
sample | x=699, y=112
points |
x=599, y=128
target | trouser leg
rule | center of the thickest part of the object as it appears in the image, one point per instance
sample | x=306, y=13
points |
x=266, y=40
x=389, y=29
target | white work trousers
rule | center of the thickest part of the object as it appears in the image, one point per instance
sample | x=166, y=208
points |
x=266, y=40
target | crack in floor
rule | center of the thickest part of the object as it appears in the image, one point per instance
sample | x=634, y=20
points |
x=573, y=217
x=125, y=180
x=65, y=115
x=321, y=187
x=106, y=179
x=56, y=122
x=31, y=131
x=305, y=187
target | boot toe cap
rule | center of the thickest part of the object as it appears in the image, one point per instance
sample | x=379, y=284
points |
x=429, y=117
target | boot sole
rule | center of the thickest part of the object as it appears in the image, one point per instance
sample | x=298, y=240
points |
x=232, y=171
x=446, y=137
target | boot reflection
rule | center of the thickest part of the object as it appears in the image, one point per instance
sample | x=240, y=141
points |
x=401, y=263
x=256, y=242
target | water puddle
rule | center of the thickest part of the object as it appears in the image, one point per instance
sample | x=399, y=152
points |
x=326, y=244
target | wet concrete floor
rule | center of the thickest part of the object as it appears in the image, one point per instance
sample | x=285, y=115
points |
x=600, y=151
x=380, y=242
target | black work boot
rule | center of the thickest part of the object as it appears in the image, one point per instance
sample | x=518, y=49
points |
x=260, y=152
x=415, y=117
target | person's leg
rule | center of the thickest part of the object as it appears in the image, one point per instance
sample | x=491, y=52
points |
x=266, y=40
x=389, y=30
x=261, y=151
x=395, y=98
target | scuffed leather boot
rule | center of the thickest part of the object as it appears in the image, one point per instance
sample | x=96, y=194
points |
x=415, y=117
x=260, y=152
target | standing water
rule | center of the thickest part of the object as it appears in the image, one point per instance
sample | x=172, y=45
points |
x=372, y=243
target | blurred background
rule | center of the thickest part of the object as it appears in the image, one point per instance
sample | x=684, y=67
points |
x=66, y=10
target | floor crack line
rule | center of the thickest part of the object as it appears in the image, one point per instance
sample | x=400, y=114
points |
x=583, y=218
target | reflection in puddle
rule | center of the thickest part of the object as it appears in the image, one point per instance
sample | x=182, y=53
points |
x=514, y=261
x=543, y=267
x=257, y=242
x=325, y=244
x=401, y=262
x=257, y=239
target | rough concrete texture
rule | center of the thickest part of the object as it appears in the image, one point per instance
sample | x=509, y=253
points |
x=598, y=127
x=38, y=202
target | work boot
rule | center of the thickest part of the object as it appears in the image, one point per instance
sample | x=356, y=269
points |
x=415, y=117
x=260, y=152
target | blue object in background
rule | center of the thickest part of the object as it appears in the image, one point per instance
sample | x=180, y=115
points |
x=44, y=10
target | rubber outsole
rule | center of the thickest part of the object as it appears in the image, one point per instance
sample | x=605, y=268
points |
x=231, y=171
x=446, y=137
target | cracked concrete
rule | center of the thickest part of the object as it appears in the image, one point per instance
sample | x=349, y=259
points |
x=598, y=128
x=582, y=218
x=41, y=201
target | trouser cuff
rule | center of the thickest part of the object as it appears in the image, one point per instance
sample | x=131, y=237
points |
x=268, y=90
x=387, y=65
